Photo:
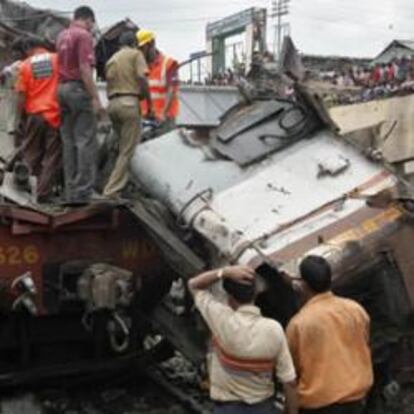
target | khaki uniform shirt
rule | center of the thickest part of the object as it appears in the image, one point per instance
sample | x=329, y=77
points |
x=329, y=339
x=123, y=71
x=247, y=351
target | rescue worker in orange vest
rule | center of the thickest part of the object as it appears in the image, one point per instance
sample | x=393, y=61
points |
x=163, y=82
x=37, y=85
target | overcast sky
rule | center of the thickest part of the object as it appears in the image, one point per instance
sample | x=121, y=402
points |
x=341, y=27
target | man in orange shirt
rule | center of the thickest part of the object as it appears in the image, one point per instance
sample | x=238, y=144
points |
x=37, y=86
x=329, y=342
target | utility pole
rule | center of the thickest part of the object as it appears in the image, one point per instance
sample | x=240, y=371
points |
x=280, y=8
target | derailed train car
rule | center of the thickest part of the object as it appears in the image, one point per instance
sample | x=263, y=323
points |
x=272, y=184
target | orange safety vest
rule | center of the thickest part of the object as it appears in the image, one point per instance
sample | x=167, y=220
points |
x=158, y=86
x=38, y=80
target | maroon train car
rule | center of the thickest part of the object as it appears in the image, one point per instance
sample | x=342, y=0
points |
x=73, y=284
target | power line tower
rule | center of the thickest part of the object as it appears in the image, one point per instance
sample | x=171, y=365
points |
x=280, y=9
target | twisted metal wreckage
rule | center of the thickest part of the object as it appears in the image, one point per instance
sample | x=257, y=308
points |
x=245, y=178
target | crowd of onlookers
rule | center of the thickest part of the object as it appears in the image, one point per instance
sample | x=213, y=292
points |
x=222, y=78
x=228, y=77
x=353, y=84
x=381, y=80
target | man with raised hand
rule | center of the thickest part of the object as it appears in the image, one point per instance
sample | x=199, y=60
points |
x=248, y=350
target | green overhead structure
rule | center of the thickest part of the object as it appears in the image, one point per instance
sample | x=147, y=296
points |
x=252, y=22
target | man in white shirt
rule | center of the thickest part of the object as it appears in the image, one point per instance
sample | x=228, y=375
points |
x=248, y=350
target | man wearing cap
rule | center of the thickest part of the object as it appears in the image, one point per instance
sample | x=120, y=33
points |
x=126, y=84
x=80, y=105
x=248, y=350
x=163, y=81
x=329, y=341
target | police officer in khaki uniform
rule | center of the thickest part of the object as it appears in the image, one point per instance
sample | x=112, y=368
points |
x=126, y=84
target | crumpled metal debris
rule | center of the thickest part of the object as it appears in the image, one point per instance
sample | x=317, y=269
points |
x=253, y=132
x=22, y=197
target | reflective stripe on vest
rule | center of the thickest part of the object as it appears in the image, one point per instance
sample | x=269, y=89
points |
x=162, y=81
x=158, y=95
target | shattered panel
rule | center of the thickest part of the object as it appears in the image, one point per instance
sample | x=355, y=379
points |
x=261, y=129
x=393, y=120
x=291, y=61
x=248, y=117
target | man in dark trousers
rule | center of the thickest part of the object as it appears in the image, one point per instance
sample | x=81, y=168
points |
x=80, y=105
x=126, y=84
x=37, y=85
x=248, y=350
x=329, y=341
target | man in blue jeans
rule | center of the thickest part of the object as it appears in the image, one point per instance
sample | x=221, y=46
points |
x=80, y=105
x=248, y=350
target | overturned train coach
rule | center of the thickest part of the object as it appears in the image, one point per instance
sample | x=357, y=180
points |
x=273, y=183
